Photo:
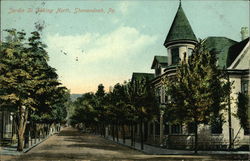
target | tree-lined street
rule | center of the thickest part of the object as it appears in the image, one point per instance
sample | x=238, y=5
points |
x=193, y=104
x=70, y=144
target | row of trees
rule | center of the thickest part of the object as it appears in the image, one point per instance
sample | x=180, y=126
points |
x=29, y=86
x=129, y=104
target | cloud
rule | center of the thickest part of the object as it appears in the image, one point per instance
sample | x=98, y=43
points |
x=91, y=47
x=102, y=58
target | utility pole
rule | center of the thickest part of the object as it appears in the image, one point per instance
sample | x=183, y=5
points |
x=161, y=128
x=229, y=118
x=141, y=130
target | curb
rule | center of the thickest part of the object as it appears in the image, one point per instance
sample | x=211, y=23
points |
x=131, y=147
x=28, y=149
x=200, y=153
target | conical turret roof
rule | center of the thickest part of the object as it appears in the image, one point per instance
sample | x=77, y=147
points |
x=180, y=29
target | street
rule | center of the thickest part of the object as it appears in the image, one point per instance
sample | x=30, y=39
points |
x=70, y=144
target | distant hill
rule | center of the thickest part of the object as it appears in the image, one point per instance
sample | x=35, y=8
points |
x=75, y=96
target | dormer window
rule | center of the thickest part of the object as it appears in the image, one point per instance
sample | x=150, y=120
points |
x=175, y=56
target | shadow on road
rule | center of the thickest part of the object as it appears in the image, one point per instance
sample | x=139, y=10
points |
x=96, y=146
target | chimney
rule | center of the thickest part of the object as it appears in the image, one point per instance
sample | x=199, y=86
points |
x=244, y=33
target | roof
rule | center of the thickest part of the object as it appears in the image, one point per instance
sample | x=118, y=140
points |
x=163, y=60
x=140, y=76
x=180, y=29
x=220, y=46
x=235, y=50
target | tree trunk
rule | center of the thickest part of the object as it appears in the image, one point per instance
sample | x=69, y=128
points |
x=196, y=139
x=123, y=132
x=117, y=133
x=141, y=134
x=132, y=134
x=35, y=132
x=27, y=136
x=20, y=142
x=104, y=130
x=113, y=132
x=146, y=131
x=22, y=117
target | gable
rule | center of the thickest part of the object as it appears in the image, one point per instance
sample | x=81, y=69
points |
x=160, y=60
x=242, y=60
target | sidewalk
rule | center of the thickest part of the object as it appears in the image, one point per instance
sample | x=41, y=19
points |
x=11, y=150
x=148, y=149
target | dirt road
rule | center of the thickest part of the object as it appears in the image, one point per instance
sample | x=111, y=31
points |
x=70, y=144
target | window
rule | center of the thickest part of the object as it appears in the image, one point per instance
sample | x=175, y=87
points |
x=191, y=128
x=247, y=129
x=157, y=129
x=176, y=129
x=166, y=129
x=244, y=87
x=158, y=94
x=216, y=125
x=152, y=127
x=190, y=52
x=158, y=71
x=175, y=55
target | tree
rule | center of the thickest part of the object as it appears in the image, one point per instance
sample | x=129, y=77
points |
x=100, y=91
x=27, y=82
x=118, y=108
x=84, y=111
x=141, y=97
x=100, y=96
x=198, y=91
x=243, y=111
x=57, y=110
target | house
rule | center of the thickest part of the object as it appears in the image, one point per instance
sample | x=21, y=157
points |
x=7, y=127
x=238, y=68
x=233, y=57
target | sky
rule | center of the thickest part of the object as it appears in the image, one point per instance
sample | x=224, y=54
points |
x=104, y=41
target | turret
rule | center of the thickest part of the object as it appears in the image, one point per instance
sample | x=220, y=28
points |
x=180, y=39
